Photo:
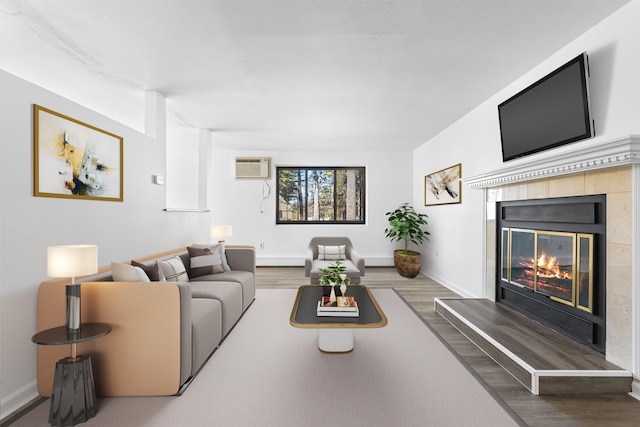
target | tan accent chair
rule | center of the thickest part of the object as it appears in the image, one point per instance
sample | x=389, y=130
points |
x=352, y=259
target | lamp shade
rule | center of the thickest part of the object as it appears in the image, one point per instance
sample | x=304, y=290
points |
x=72, y=260
x=220, y=232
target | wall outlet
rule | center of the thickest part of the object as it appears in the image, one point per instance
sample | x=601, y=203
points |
x=261, y=245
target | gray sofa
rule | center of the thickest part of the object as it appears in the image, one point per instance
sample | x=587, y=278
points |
x=162, y=332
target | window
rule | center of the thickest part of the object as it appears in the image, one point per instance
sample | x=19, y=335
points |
x=320, y=195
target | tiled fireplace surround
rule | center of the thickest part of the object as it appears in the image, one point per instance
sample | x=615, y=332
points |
x=611, y=168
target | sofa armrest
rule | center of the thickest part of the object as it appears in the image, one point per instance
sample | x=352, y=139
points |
x=357, y=260
x=144, y=355
x=241, y=258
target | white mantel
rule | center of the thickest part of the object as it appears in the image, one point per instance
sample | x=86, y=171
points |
x=565, y=160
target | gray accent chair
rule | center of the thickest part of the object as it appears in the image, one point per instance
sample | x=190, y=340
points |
x=353, y=261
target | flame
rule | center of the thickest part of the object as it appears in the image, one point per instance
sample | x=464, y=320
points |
x=548, y=267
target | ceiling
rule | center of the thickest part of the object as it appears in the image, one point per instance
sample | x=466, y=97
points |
x=290, y=74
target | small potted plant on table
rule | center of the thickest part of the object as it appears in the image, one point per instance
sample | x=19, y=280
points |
x=332, y=275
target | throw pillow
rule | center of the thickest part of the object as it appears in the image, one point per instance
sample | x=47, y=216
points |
x=223, y=253
x=174, y=270
x=152, y=271
x=127, y=273
x=331, y=252
x=205, y=261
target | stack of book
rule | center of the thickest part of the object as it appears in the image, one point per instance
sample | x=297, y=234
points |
x=342, y=307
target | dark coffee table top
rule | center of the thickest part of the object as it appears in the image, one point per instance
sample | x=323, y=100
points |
x=303, y=314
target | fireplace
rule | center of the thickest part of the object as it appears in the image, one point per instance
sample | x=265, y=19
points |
x=551, y=264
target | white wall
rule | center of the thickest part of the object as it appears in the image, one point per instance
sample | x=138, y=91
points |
x=454, y=255
x=28, y=224
x=182, y=165
x=240, y=203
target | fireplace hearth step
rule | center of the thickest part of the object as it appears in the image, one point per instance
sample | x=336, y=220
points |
x=544, y=361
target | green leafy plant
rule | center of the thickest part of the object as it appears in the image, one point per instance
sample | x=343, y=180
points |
x=331, y=274
x=406, y=224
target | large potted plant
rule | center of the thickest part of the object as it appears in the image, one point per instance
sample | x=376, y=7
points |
x=407, y=225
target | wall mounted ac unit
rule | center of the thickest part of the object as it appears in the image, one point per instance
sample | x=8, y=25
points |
x=253, y=167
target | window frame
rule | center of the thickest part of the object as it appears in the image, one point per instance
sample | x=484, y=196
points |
x=305, y=192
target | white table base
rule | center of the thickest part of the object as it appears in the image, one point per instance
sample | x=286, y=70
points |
x=335, y=340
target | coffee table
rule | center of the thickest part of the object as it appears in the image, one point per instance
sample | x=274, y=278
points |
x=335, y=334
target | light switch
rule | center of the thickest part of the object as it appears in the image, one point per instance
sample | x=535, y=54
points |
x=158, y=179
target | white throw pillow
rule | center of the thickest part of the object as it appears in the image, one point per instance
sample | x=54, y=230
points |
x=332, y=252
x=127, y=273
x=174, y=270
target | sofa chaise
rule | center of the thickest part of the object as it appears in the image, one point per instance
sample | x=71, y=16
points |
x=163, y=332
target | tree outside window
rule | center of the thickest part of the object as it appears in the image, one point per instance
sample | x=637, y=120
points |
x=320, y=195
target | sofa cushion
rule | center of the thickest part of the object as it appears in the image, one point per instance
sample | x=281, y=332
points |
x=153, y=271
x=230, y=296
x=212, y=246
x=174, y=270
x=331, y=252
x=204, y=261
x=127, y=273
x=246, y=279
x=206, y=330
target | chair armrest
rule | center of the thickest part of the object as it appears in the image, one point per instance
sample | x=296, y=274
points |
x=358, y=260
x=241, y=258
x=308, y=262
x=145, y=352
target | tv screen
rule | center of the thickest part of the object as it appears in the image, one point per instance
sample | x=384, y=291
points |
x=551, y=112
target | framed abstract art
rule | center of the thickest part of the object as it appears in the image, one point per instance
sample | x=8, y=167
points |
x=443, y=187
x=75, y=160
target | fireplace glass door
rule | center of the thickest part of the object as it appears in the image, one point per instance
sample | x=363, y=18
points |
x=555, y=264
x=585, y=272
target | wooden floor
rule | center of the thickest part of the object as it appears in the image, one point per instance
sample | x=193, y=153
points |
x=420, y=292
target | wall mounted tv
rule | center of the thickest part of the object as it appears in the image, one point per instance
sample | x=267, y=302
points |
x=551, y=112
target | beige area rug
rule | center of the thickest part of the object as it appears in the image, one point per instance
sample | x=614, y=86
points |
x=268, y=373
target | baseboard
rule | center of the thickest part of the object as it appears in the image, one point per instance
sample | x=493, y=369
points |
x=17, y=401
x=451, y=286
x=275, y=261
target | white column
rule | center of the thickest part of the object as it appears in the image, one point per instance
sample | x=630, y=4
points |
x=155, y=126
x=635, y=283
x=155, y=116
x=488, y=283
x=204, y=168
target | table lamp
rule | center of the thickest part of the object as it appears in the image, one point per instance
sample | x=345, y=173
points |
x=220, y=232
x=72, y=261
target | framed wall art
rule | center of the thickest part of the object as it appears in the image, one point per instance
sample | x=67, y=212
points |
x=443, y=187
x=75, y=160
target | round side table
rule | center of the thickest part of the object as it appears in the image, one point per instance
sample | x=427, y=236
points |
x=73, y=397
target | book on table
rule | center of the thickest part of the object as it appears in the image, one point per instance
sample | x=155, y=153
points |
x=342, y=307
